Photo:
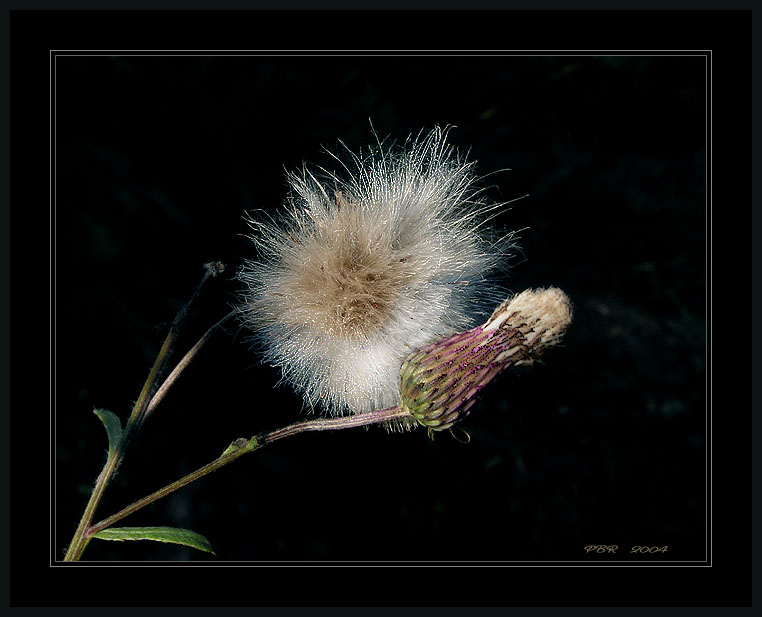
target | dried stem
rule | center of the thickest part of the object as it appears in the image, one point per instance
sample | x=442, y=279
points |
x=182, y=365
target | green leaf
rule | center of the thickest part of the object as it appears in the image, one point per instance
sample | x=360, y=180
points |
x=113, y=427
x=172, y=535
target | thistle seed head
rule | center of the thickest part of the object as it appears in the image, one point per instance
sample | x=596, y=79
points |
x=362, y=268
x=346, y=276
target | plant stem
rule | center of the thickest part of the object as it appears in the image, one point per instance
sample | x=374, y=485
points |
x=137, y=416
x=332, y=424
x=182, y=365
x=249, y=446
x=80, y=539
x=141, y=409
x=244, y=446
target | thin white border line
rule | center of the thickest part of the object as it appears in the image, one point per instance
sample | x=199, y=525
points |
x=372, y=53
x=708, y=437
x=51, y=496
x=52, y=171
x=52, y=291
x=544, y=52
x=388, y=562
x=384, y=564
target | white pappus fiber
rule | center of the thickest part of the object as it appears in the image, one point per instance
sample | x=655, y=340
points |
x=361, y=268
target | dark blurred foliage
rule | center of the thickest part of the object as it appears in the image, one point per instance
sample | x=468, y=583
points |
x=157, y=158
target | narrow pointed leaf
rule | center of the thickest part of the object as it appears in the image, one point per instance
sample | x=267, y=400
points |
x=172, y=535
x=113, y=427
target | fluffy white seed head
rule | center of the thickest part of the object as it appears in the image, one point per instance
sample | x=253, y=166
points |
x=362, y=268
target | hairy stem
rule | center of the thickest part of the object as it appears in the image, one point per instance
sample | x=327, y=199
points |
x=332, y=424
x=80, y=540
x=228, y=457
x=182, y=365
x=243, y=446
x=137, y=416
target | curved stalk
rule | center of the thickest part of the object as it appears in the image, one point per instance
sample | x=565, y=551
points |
x=243, y=446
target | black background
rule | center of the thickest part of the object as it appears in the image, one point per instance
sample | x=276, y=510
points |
x=158, y=157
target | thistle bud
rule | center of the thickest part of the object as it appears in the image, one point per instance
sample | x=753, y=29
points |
x=439, y=382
